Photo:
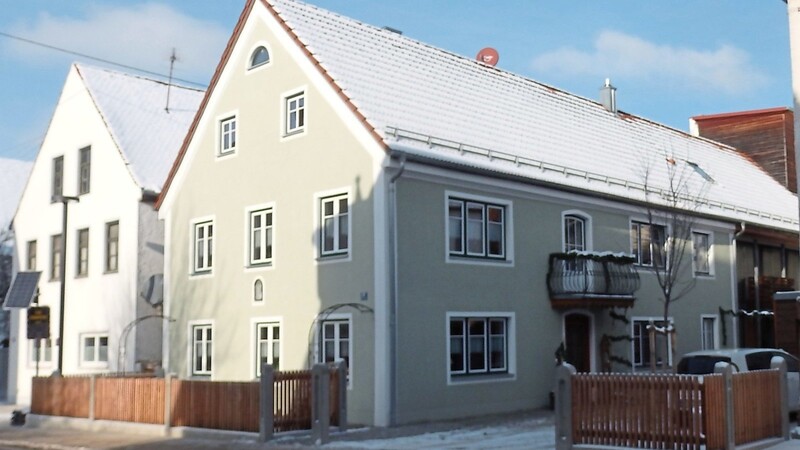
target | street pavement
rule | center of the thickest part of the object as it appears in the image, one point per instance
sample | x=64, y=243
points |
x=533, y=429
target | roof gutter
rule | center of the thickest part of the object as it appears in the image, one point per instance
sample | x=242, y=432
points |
x=413, y=156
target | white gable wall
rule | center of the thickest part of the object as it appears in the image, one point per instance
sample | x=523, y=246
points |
x=97, y=303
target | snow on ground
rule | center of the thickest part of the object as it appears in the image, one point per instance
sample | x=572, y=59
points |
x=523, y=435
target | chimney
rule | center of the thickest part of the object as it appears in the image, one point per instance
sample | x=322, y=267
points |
x=608, y=97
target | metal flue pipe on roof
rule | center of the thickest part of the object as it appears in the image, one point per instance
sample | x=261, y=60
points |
x=608, y=97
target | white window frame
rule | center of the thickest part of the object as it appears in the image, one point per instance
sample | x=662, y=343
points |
x=646, y=363
x=249, y=67
x=255, y=349
x=709, y=254
x=465, y=256
x=320, y=353
x=45, y=353
x=487, y=376
x=82, y=254
x=222, y=134
x=263, y=210
x=286, y=112
x=338, y=253
x=55, y=256
x=192, y=325
x=587, y=229
x=635, y=251
x=32, y=255
x=56, y=177
x=84, y=170
x=107, y=266
x=208, y=247
x=714, y=331
x=95, y=361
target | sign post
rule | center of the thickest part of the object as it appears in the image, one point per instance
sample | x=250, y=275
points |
x=38, y=328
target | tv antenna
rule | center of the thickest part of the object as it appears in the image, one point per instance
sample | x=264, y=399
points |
x=172, y=60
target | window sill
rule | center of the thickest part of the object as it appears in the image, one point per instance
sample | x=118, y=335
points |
x=334, y=257
x=81, y=275
x=109, y=272
x=455, y=380
x=479, y=261
x=294, y=133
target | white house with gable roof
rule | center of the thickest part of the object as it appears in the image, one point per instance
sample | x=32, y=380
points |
x=347, y=193
x=110, y=144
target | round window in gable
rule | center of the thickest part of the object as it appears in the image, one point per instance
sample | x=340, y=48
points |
x=258, y=291
x=260, y=57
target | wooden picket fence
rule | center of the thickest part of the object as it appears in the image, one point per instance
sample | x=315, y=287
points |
x=193, y=403
x=673, y=411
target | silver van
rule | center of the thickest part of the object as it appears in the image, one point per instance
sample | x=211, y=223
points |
x=744, y=360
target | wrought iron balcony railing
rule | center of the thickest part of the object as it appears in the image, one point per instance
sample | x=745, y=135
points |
x=594, y=279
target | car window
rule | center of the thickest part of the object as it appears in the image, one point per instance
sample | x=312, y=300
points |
x=791, y=361
x=700, y=364
x=758, y=360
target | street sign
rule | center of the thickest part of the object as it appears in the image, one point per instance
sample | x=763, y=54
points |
x=39, y=322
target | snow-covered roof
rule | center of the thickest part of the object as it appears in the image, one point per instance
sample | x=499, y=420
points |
x=134, y=110
x=438, y=105
x=13, y=176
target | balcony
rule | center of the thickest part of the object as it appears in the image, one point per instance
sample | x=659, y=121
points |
x=591, y=280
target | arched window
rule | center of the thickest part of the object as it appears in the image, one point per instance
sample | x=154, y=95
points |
x=574, y=233
x=259, y=57
x=258, y=291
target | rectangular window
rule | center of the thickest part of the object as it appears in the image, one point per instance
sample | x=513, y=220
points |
x=709, y=332
x=227, y=136
x=335, y=342
x=83, y=252
x=45, y=351
x=202, y=349
x=94, y=349
x=641, y=343
x=648, y=244
x=84, y=170
x=701, y=253
x=203, y=246
x=261, y=236
x=476, y=229
x=112, y=247
x=478, y=345
x=31, y=251
x=55, y=257
x=268, y=346
x=295, y=113
x=335, y=225
x=57, y=187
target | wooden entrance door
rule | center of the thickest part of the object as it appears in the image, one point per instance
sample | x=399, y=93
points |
x=577, y=334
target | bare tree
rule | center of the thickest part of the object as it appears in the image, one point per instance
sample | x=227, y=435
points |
x=672, y=199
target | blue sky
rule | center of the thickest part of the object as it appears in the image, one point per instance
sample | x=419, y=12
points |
x=669, y=60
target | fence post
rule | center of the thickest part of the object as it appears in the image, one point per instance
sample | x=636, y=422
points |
x=727, y=375
x=266, y=409
x=92, y=395
x=341, y=369
x=167, y=402
x=564, y=373
x=320, y=403
x=778, y=362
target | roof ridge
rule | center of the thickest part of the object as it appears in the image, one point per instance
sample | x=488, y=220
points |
x=81, y=66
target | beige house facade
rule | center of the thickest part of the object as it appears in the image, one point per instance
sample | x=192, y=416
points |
x=344, y=194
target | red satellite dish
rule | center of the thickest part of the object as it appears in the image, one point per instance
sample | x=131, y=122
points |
x=488, y=56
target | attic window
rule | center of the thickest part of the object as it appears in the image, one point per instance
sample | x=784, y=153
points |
x=259, y=57
x=700, y=171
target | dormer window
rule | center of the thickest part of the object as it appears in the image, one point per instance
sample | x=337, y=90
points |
x=259, y=57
